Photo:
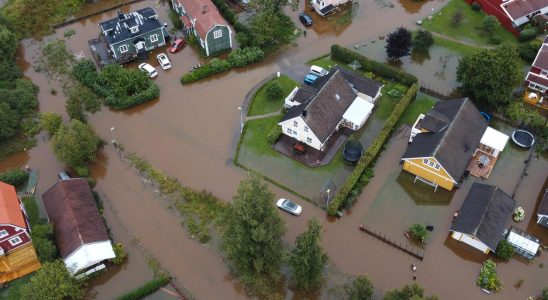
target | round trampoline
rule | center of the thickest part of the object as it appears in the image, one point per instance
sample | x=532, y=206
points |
x=352, y=151
x=523, y=138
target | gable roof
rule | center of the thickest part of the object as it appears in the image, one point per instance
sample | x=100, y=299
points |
x=543, y=208
x=72, y=211
x=454, y=145
x=484, y=214
x=10, y=209
x=205, y=13
x=541, y=60
x=519, y=8
x=434, y=121
x=118, y=29
x=328, y=98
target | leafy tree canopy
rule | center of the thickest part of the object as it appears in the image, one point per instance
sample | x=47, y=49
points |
x=361, y=289
x=408, y=292
x=53, y=282
x=75, y=144
x=399, y=43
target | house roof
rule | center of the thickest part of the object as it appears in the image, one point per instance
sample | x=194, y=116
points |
x=328, y=99
x=434, y=121
x=484, y=214
x=10, y=209
x=118, y=28
x=205, y=13
x=72, y=210
x=520, y=8
x=543, y=208
x=454, y=145
x=541, y=60
x=494, y=139
x=358, y=111
x=532, y=77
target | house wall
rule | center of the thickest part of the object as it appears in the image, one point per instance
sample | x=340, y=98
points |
x=88, y=255
x=215, y=45
x=470, y=240
x=13, y=231
x=493, y=8
x=297, y=127
x=440, y=177
x=149, y=45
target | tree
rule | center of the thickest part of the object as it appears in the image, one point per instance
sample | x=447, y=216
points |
x=361, y=289
x=457, y=18
x=490, y=24
x=418, y=232
x=270, y=30
x=272, y=5
x=488, y=277
x=252, y=239
x=42, y=239
x=544, y=295
x=423, y=40
x=399, y=43
x=15, y=177
x=504, y=250
x=75, y=144
x=490, y=76
x=528, y=51
x=53, y=282
x=9, y=121
x=308, y=258
x=274, y=90
x=51, y=122
x=408, y=292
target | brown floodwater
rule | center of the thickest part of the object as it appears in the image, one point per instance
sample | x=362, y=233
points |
x=190, y=133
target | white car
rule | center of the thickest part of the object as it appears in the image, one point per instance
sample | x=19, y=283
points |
x=318, y=71
x=290, y=207
x=164, y=61
x=151, y=72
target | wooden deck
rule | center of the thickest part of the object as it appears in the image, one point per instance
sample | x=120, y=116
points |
x=18, y=263
x=481, y=171
x=540, y=101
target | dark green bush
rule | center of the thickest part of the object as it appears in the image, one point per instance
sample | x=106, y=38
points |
x=504, y=250
x=418, y=232
x=528, y=51
x=274, y=133
x=527, y=34
x=15, y=177
x=175, y=20
x=423, y=40
x=476, y=6
x=146, y=289
x=274, y=90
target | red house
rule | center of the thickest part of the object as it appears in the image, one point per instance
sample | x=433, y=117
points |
x=494, y=8
x=17, y=254
x=536, y=82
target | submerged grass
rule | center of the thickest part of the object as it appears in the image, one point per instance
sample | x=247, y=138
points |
x=14, y=145
x=199, y=209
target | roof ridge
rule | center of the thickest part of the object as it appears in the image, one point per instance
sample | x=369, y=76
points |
x=494, y=188
x=450, y=127
x=70, y=208
x=321, y=89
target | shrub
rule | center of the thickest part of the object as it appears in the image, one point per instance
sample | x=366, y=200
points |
x=42, y=239
x=457, y=18
x=120, y=254
x=175, y=20
x=274, y=90
x=527, y=34
x=490, y=24
x=528, y=51
x=418, y=232
x=361, y=289
x=544, y=295
x=476, y=6
x=504, y=250
x=488, y=277
x=423, y=40
x=51, y=122
x=245, y=56
x=15, y=177
x=274, y=133
x=146, y=289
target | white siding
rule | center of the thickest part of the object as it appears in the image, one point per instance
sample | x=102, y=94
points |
x=465, y=238
x=88, y=255
x=299, y=133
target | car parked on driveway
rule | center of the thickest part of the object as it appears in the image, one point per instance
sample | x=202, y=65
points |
x=310, y=78
x=318, y=71
x=164, y=61
x=305, y=19
x=290, y=207
x=150, y=70
x=177, y=45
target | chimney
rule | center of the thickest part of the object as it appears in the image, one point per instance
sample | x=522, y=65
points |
x=337, y=97
x=204, y=9
x=305, y=113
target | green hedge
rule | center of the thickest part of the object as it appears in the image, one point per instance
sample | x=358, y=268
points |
x=236, y=59
x=274, y=133
x=368, y=65
x=146, y=289
x=15, y=177
x=372, y=151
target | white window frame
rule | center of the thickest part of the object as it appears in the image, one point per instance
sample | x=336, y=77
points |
x=306, y=128
x=431, y=164
x=154, y=38
x=16, y=240
x=296, y=124
x=537, y=87
x=544, y=73
x=289, y=131
x=3, y=233
x=308, y=140
x=217, y=33
x=123, y=49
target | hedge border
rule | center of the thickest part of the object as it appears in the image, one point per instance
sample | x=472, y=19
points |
x=146, y=289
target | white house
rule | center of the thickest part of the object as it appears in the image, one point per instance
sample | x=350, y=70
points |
x=324, y=7
x=481, y=221
x=339, y=99
x=80, y=232
x=521, y=11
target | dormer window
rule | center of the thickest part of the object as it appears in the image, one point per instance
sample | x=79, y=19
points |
x=134, y=29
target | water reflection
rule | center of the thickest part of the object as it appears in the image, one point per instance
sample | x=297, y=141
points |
x=421, y=193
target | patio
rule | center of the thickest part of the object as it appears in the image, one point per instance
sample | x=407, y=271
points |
x=481, y=165
x=101, y=53
x=533, y=98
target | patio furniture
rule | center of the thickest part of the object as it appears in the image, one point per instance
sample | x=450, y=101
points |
x=299, y=148
x=483, y=161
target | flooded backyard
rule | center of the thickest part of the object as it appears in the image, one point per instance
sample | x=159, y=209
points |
x=191, y=132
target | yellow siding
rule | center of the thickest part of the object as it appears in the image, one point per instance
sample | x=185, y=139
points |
x=439, y=177
x=18, y=263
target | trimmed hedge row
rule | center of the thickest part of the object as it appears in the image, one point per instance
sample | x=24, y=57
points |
x=372, y=151
x=15, y=177
x=146, y=289
x=236, y=59
x=368, y=65
x=274, y=133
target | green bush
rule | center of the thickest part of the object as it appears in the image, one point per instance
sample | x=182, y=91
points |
x=367, y=159
x=274, y=133
x=504, y=250
x=175, y=20
x=146, y=289
x=120, y=254
x=476, y=6
x=527, y=34
x=418, y=232
x=423, y=40
x=528, y=51
x=544, y=295
x=42, y=238
x=274, y=90
x=15, y=177
x=488, y=277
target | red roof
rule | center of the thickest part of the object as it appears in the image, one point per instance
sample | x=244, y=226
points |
x=74, y=215
x=205, y=14
x=532, y=77
x=186, y=21
x=519, y=8
x=541, y=61
x=10, y=209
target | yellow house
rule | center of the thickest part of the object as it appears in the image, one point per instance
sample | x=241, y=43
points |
x=443, y=141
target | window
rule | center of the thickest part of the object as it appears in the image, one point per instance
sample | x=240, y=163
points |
x=545, y=73
x=309, y=140
x=153, y=38
x=294, y=132
x=306, y=128
x=217, y=33
x=3, y=233
x=134, y=29
x=296, y=123
x=123, y=49
x=431, y=164
x=15, y=241
x=289, y=130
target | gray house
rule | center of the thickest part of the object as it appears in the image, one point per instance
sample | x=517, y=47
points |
x=202, y=19
x=133, y=33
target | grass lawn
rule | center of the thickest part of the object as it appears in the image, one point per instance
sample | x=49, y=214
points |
x=15, y=144
x=261, y=104
x=458, y=48
x=470, y=28
x=32, y=210
x=420, y=105
x=13, y=291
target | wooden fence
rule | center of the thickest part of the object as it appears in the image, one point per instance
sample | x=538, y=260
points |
x=405, y=248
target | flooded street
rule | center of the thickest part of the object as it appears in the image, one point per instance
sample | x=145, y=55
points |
x=190, y=133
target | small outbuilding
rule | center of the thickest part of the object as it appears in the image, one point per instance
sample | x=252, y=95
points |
x=542, y=212
x=524, y=244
